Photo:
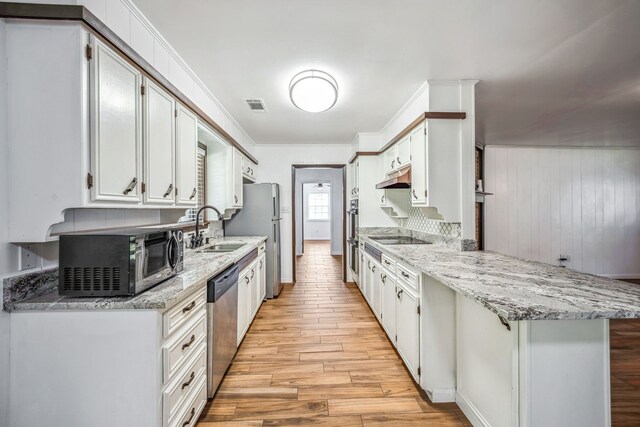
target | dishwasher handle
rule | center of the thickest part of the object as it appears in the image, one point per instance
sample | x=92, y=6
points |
x=221, y=283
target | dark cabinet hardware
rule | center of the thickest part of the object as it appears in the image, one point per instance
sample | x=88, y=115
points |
x=235, y=198
x=414, y=193
x=405, y=274
x=253, y=273
x=131, y=186
x=399, y=162
x=188, y=383
x=189, y=307
x=89, y=181
x=193, y=194
x=187, y=345
x=247, y=279
x=400, y=293
x=193, y=413
x=504, y=322
x=169, y=190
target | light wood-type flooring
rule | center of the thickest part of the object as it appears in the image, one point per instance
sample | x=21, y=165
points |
x=317, y=356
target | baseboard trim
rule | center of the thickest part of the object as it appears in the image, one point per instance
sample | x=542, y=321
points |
x=442, y=395
x=470, y=411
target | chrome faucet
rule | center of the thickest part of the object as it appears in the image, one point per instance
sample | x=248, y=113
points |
x=198, y=238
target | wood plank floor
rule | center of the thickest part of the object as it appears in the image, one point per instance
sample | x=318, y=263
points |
x=625, y=372
x=317, y=356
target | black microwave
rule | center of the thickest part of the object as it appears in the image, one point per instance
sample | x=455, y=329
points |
x=118, y=263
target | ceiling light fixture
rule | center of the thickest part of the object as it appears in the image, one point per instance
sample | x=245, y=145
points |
x=313, y=91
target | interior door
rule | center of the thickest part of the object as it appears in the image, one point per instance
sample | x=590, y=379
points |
x=159, y=145
x=186, y=157
x=116, y=126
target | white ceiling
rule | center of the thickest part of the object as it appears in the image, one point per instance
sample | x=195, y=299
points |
x=551, y=72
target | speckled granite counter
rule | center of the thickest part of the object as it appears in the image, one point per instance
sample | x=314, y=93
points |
x=198, y=268
x=517, y=289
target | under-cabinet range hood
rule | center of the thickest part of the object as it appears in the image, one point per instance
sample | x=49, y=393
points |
x=400, y=180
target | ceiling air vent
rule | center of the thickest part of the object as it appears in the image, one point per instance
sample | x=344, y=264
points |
x=256, y=105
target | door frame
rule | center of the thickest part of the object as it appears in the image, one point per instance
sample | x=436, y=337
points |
x=293, y=211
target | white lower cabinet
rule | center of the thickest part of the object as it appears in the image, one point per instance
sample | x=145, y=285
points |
x=251, y=292
x=392, y=290
x=408, y=328
x=388, y=304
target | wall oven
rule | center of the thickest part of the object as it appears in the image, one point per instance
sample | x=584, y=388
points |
x=352, y=238
x=118, y=263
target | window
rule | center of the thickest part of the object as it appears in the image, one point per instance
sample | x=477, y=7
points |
x=319, y=206
x=201, y=177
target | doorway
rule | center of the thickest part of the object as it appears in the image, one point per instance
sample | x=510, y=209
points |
x=318, y=212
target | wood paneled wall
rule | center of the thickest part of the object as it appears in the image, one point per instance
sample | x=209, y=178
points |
x=580, y=202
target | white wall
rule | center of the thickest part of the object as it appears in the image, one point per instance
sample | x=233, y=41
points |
x=548, y=202
x=275, y=166
x=315, y=229
x=5, y=252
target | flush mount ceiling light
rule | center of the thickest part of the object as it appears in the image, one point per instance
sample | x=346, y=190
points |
x=313, y=91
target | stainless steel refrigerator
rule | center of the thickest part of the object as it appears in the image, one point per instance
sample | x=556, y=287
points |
x=260, y=216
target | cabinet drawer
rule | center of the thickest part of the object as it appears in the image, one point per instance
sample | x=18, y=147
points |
x=178, y=350
x=389, y=265
x=179, y=315
x=177, y=392
x=408, y=277
x=262, y=248
x=189, y=414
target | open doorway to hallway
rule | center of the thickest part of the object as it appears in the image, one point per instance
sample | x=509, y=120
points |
x=319, y=217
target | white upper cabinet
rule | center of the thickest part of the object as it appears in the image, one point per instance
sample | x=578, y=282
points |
x=236, y=178
x=419, y=166
x=390, y=161
x=403, y=153
x=159, y=145
x=116, y=142
x=248, y=169
x=186, y=157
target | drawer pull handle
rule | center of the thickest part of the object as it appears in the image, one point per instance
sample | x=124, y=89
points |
x=399, y=162
x=187, y=345
x=169, y=190
x=384, y=279
x=189, y=307
x=247, y=279
x=131, y=186
x=193, y=413
x=405, y=274
x=253, y=273
x=193, y=194
x=188, y=383
x=400, y=293
x=387, y=262
x=373, y=268
x=414, y=194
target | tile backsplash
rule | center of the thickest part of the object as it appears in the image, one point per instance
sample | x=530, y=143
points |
x=418, y=221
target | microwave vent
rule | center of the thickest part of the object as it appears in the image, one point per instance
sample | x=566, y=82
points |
x=96, y=280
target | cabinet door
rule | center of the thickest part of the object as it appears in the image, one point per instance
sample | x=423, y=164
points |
x=367, y=279
x=388, y=305
x=186, y=157
x=390, y=162
x=243, y=312
x=255, y=283
x=236, y=178
x=262, y=277
x=159, y=145
x=408, y=328
x=116, y=126
x=403, y=153
x=419, y=166
x=376, y=290
x=361, y=271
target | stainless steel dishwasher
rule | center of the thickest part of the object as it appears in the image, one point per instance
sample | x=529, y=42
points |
x=222, y=319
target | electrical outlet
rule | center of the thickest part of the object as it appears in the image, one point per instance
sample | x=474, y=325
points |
x=28, y=257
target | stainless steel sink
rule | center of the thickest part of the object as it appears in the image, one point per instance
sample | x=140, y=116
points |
x=222, y=247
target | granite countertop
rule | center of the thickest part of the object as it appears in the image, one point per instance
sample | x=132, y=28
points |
x=517, y=289
x=198, y=268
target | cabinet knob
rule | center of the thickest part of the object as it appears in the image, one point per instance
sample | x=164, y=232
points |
x=193, y=194
x=131, y=186
x=168, y=191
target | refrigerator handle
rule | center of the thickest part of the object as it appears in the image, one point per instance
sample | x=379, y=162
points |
x=275, y=238
x=274, y=206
